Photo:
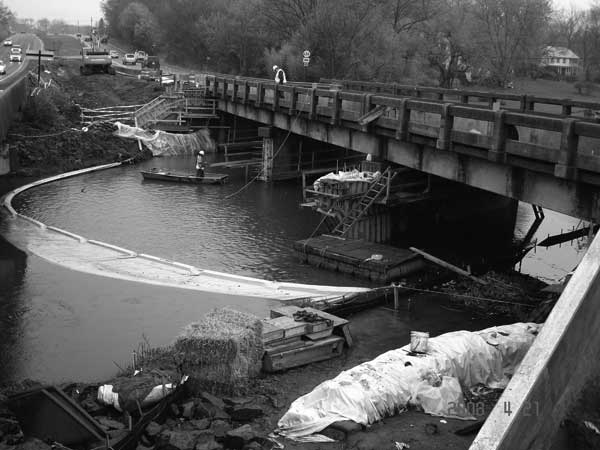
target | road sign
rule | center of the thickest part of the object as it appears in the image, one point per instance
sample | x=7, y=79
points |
x=306, y=54
x=305, y=60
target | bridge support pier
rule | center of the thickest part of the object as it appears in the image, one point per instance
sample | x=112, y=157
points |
x=280, y=154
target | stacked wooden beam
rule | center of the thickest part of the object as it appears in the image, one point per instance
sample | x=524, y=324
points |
x=295, y=336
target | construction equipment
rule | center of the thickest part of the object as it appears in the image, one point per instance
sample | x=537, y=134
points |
x=151, y=69
x=95, y=61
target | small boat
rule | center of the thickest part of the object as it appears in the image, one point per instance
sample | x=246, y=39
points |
x=165, y=175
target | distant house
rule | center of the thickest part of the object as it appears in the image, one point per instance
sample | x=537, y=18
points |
x=562, y=60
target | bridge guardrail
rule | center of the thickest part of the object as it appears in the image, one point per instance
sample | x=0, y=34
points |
x=525, y=102
x=335, y=107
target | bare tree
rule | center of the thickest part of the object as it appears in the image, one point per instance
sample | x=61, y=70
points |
x=409, y=13
x=510, y=32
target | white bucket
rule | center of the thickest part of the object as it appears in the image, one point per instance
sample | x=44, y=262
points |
x=419, y=341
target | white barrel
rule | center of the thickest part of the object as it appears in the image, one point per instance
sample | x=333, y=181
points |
x=419, y=341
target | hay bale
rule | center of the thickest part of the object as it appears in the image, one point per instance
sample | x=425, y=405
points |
x=223, y=350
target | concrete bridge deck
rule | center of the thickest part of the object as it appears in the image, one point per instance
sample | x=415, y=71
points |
x=559, y=170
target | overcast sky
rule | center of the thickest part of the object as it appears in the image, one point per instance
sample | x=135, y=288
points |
x=73, y=10
x=68, y=10
x=577, y=4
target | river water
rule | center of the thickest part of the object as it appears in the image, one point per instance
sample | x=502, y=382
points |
x=57, y=324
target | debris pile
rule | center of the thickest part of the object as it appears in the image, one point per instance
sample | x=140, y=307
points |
x=502, y=294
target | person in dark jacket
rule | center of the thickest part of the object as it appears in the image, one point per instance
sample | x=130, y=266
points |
x=200, y=164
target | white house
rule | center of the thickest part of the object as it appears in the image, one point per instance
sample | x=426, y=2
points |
x=562, y=60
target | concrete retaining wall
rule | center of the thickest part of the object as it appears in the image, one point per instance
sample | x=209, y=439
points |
x=12, y=100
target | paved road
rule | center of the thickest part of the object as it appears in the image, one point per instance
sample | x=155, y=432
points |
x=28, y=42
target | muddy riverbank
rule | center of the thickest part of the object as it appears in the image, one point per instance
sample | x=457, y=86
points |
x=192, y=424
x=49, y=136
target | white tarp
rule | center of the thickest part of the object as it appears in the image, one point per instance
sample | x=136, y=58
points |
x=352, y=175
x=392, y=381
x=163, y=143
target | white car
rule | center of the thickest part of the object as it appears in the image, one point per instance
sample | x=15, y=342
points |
x=129, y=58
x=15, y=54
x=2, y=68
x=7, y=43
x=113, y=54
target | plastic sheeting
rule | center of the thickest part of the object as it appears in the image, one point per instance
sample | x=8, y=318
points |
x=353, y=175
x=394, y=380
x=161, y=143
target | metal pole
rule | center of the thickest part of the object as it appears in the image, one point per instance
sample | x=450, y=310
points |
x=39, y=65
x=396, y=297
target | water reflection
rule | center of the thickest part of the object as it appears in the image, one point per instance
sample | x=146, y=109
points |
x=12, y=307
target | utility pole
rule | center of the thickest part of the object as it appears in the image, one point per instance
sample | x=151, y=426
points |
x=39, y=66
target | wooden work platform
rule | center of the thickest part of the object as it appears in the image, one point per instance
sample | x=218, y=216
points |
x=358, y=257
x=295, y=336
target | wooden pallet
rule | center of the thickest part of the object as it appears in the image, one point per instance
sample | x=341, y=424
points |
x=310, y=352
x=341, y=326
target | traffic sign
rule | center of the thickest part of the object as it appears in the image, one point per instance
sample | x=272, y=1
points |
x=306, y=54
x=305, y=60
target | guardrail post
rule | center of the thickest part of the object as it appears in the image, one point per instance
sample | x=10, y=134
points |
x=260, y=92
x=566, y=107
x=523, y=103
x=446, y=124
x=215, y=88
x=464, y=98
x=403, y=121
x=498, y=151
x=294, y=101
x=395, y=89
x=235, y=91
x=224, y=88
x=439, y=96
x=246, y=92
x=276, y=97
x=416, y=92
x=366, y=107
x=313, y=104
x=491, y=102
x=566, y=166
x=336, y=107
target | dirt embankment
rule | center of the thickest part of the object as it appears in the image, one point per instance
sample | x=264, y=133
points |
x=50, y=137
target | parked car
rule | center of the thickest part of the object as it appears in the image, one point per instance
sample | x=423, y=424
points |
x=129, y=58
x=7, y=43
x=2, y=68
x=15, y=54
x=113, y=54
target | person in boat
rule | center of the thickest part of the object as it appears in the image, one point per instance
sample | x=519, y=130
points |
x=200, y=164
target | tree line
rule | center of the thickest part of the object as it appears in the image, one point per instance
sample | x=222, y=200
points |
x=487, y=42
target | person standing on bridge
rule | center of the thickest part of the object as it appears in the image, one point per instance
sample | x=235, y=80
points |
x=200, y=164
x=279, y=75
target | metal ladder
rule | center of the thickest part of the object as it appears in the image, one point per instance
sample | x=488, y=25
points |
x=376, y=188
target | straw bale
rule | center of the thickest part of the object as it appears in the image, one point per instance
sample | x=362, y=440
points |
x=223, y=350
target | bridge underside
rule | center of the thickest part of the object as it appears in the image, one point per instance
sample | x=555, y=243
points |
x=567, y=197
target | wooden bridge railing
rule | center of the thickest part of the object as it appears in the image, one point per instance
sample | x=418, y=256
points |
x=567, y=159
x=524, y=102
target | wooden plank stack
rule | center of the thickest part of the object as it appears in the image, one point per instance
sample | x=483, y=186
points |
x=295, y=336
